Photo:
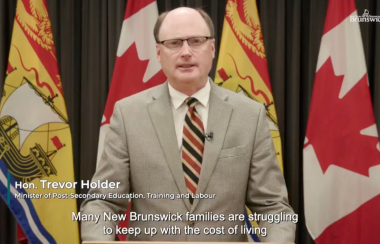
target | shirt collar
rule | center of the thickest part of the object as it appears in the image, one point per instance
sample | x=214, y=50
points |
x=177, y=98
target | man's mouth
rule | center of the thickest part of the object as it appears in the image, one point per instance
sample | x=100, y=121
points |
x=186, y=65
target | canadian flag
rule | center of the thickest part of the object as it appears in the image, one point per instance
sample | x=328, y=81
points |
x=136, y=66
x=341, y=150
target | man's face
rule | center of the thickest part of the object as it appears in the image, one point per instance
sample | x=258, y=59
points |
x=183, y=63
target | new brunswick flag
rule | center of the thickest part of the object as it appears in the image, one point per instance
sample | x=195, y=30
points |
x=242, y=65
x=35, y=137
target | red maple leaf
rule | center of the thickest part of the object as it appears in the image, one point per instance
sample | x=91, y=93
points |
x=334, y=124
x=127, y=78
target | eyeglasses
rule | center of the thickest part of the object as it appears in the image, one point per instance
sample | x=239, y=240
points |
x=193, y=42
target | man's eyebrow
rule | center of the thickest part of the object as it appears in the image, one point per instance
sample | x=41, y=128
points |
x=183, y=38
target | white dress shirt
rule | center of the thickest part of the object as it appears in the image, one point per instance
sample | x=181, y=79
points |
x=180, y=108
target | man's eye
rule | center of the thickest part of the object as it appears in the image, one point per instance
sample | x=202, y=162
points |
x=196, y=41
x=174, y=43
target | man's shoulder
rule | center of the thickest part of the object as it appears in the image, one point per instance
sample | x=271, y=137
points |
x=141, y=98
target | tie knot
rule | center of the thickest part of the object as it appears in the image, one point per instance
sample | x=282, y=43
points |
x=191, y=102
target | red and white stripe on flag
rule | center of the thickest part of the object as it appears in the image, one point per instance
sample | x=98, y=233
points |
x=341, y=150
x=136, y=66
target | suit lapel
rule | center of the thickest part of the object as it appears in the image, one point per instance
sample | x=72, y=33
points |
x=219, y=116
x=162, y=118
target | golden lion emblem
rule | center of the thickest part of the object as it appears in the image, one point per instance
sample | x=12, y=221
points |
x=250, y=34
x=37, y=24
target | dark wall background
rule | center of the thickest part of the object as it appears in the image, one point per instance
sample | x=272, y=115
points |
x=86, y=35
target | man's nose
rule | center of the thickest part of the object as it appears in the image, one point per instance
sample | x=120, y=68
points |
x=185, y=50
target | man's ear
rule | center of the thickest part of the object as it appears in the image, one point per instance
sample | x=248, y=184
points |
x=213, y=47
x=158, y=53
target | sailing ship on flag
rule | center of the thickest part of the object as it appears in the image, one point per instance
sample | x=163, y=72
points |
x=35, y=136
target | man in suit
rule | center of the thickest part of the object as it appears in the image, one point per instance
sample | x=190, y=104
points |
x=172, y=143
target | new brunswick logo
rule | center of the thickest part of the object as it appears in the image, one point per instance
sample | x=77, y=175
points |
x=365, y=17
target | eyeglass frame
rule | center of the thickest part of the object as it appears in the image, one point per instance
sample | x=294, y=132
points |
x=207, y=38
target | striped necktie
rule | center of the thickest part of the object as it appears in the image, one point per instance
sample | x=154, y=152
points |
x=192, y=147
